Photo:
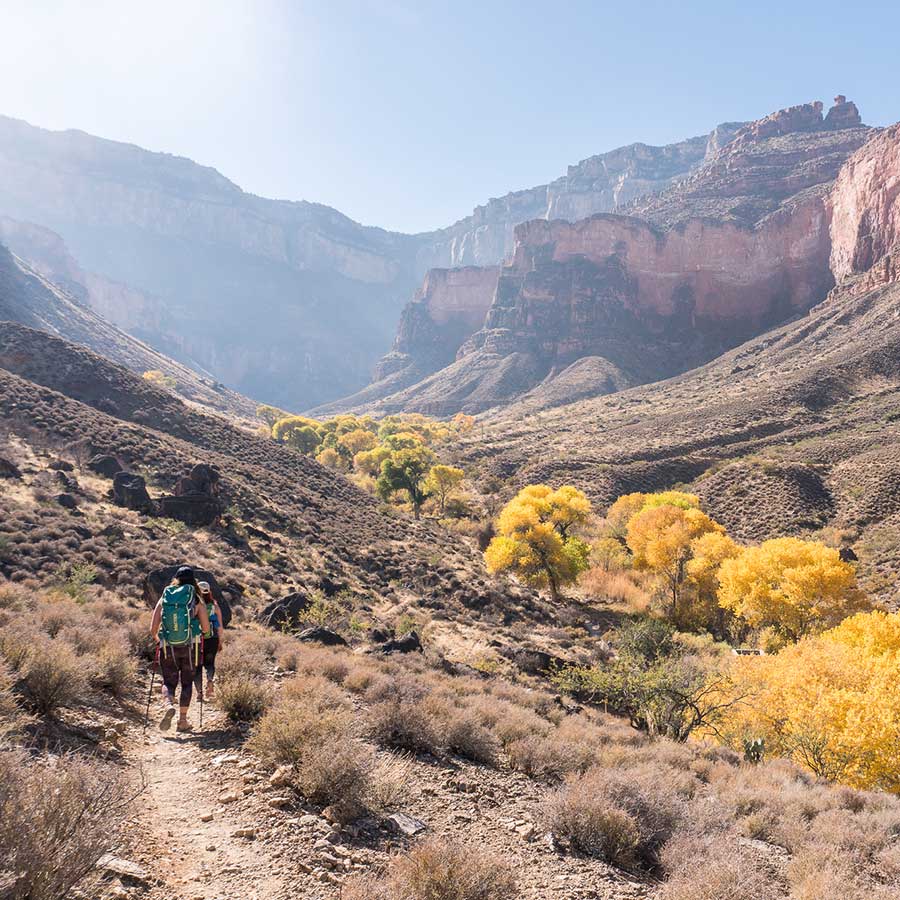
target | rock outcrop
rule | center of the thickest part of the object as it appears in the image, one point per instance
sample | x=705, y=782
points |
x=865, y=214
x=739, y=245
x=195, y=500
x=602, y=183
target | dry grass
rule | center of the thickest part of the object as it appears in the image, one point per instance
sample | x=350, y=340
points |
x=243, y=698
x=55, y=822
x=624, y=817
x=438, y=870
x=615, y=588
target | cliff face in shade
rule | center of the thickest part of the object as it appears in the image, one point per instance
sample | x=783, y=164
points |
x=28, y=298
x=741, y=244
x=865, y=211
x=290, y=302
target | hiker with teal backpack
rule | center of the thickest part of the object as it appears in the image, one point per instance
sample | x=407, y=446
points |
x=213, y=642
x=177, y=626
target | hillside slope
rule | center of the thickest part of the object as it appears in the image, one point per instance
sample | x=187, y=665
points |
x=30, y=299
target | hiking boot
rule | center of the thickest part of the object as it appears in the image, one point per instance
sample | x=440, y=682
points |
x=184, y=725
x=166, y=722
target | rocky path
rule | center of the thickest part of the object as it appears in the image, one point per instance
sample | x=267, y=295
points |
x=188, y=837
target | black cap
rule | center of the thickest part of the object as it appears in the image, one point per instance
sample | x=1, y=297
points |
x=184, y=572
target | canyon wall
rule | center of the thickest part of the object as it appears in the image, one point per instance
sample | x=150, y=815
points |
x=602, y=183
x=865, y=211
x=289, y=302
x=739, y=245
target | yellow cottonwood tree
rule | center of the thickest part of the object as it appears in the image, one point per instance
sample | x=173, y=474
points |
x=792, y=585
x=535, y=537
x=830, y=702
x=442, y=482
x=660, y=539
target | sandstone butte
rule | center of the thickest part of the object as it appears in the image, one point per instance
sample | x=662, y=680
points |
x=756, y=235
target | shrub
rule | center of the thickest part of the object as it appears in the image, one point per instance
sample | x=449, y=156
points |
x=465, y=736
x=12, y=718
x=594, y=826
x=243, y=698
x=623, y=817
x=712, y=867
x=312, y=730
x=114, y=669
x=404, y=724
x=56, y=821
x=53, y=677
x=438, y=870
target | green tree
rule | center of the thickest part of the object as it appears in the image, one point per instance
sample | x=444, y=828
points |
x=406, y=470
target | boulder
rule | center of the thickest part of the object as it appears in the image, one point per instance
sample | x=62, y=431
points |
x=195, y=501
x=67, y=501
x=409, y=643
x=285, y=614
x=848, y=554
x=105, y=465
x=60, y=465
x=9, y=469
x=130, y=491
x=322, y=635
x=536, y=662
x=192, y=509
x=156, y=581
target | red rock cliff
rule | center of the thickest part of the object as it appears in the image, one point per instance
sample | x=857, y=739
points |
x=865, y=213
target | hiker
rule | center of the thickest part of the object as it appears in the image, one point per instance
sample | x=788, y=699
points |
x=213, y=641
x=177, y=623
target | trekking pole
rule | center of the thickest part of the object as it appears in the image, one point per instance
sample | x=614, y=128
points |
x=153, y=669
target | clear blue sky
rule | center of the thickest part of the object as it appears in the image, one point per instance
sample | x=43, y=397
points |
x=407, y=114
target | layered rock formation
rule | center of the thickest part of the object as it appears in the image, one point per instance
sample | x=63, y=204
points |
x=292, y=302
x=602, y=183
x=865, y=211
x=739, y=245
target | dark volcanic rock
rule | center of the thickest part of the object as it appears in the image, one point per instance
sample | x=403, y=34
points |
x=285, y=614
x=192, y=509
x=321, y=635
x=156, y=581
x=536, y=662
x=105, y=465
x=409, y=643
x=196, y=498
x=9, y=469
x=130, y=491
x=67, y=501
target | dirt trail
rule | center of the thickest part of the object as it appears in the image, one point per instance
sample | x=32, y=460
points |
x=197, y=859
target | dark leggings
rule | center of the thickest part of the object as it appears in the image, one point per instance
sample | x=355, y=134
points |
x=210, y=649
x=177, y=664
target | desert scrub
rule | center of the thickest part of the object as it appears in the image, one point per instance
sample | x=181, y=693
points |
x=623, y=817
x=438, y=870
x=243, y=698
x=56, y=821
x=312, y=730
x=52, y=677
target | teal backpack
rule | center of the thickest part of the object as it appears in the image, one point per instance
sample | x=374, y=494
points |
x=178, y=625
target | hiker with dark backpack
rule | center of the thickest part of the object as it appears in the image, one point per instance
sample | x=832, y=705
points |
x=177, y=626
x=213, y=641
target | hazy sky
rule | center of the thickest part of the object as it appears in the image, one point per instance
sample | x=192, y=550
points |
x=407, y=114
